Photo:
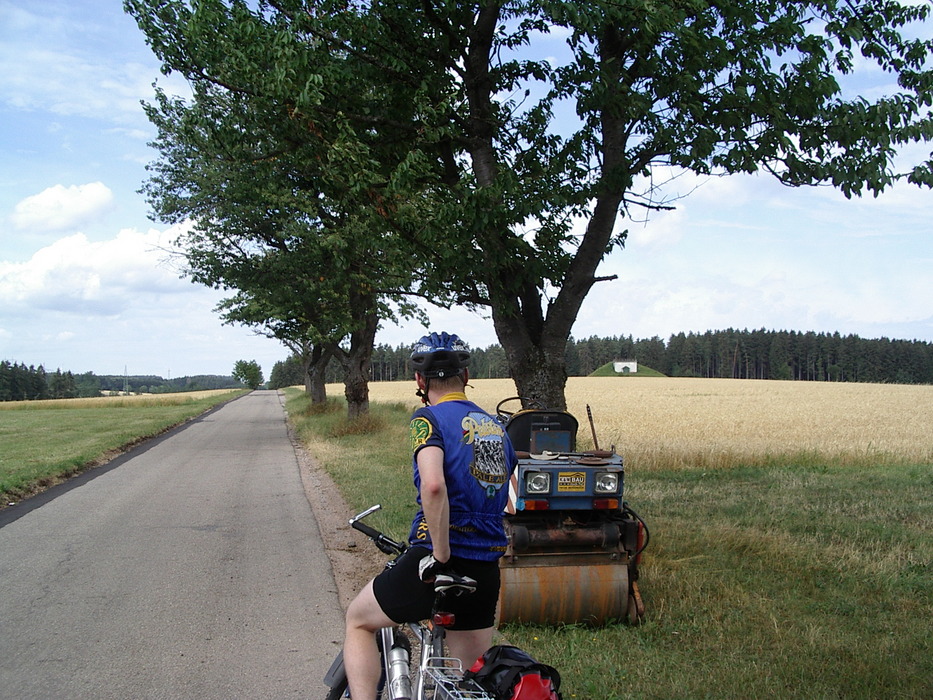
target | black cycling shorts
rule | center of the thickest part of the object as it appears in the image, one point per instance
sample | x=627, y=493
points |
x=404, y=597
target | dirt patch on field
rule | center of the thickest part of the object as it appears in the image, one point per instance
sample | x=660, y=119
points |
x=353, y=559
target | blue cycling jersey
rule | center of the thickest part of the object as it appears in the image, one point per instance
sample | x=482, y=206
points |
x=478, y=461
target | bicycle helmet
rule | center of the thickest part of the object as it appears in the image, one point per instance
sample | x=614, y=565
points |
x=440, y=355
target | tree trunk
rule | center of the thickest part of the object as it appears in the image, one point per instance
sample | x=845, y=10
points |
x=357, y=362
x=538, y=370
x=315, y=365
x=315, y=385
x=533, y=332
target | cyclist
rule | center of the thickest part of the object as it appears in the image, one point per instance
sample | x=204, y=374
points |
x=462, y=461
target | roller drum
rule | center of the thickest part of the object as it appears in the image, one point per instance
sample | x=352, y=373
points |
x=563, y=592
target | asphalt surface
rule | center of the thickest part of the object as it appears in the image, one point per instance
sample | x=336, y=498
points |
x=194, y=569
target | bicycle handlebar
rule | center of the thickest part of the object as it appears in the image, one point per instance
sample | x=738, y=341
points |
x=445, y=584
x=384, y=543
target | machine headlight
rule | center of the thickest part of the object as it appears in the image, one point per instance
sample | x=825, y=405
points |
x=607, y=482
x=537, y=483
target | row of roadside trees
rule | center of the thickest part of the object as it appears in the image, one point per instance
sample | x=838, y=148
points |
x=755, y=354
x=340, y=161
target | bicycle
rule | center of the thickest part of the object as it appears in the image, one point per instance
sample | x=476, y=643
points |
x=436, y=677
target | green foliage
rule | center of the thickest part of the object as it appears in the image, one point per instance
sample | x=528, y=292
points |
x=756, y=354
x=303, y=214
x=763, y=354
x=21, y=383
x=287, y=373
x=248, y=372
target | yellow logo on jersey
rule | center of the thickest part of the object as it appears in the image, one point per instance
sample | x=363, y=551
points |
x=474, y=429
x=420, y=432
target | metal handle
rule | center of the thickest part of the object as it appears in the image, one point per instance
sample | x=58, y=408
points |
x=366, y=513
x=385, y=544
x=589, y=414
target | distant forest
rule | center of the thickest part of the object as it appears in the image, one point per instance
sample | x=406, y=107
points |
x=21, y=383
x=745, y=354
x=757, y=354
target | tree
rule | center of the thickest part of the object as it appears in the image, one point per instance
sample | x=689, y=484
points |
x=713, y=88
x=290, y=210
x=296, y=322
x=62, y=385
x=651, y=353
x=248, y=372
x=287, y=373
x=650, y=87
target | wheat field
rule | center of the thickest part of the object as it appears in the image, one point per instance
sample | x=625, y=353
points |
x=717, y=423
x=120, y=401
x=790, y=535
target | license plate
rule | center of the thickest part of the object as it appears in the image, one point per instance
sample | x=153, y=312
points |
x=571, y=481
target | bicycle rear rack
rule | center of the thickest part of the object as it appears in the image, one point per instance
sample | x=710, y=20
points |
x=446, y=677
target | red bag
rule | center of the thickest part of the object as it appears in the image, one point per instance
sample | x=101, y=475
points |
x=508, y=673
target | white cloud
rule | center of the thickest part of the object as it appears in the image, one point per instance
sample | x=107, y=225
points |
x=662, y=229
x=86, y=305
x=48, y=64
x=876, y=300
x=662, y=297
x=75, y=275
x=133, y=134
x=59, y=208
x=65, y=84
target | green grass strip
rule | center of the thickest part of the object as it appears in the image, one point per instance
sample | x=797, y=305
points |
x=42, y=443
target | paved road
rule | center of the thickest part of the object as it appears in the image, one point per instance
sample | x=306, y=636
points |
x=193, y=570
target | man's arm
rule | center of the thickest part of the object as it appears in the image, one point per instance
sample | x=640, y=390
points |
x=434, y=499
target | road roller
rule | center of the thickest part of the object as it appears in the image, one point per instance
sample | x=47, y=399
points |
x=574, y=543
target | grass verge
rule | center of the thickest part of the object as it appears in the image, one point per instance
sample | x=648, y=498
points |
x=802, y=580
x=368, y=460
x=44, y=442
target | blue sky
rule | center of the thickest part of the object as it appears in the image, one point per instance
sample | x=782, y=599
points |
x=85, y=284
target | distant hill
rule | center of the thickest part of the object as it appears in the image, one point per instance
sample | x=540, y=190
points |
x=607, y=371
x=157, y=385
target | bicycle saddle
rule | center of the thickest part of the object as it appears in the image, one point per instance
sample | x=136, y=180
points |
x=451, y=582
